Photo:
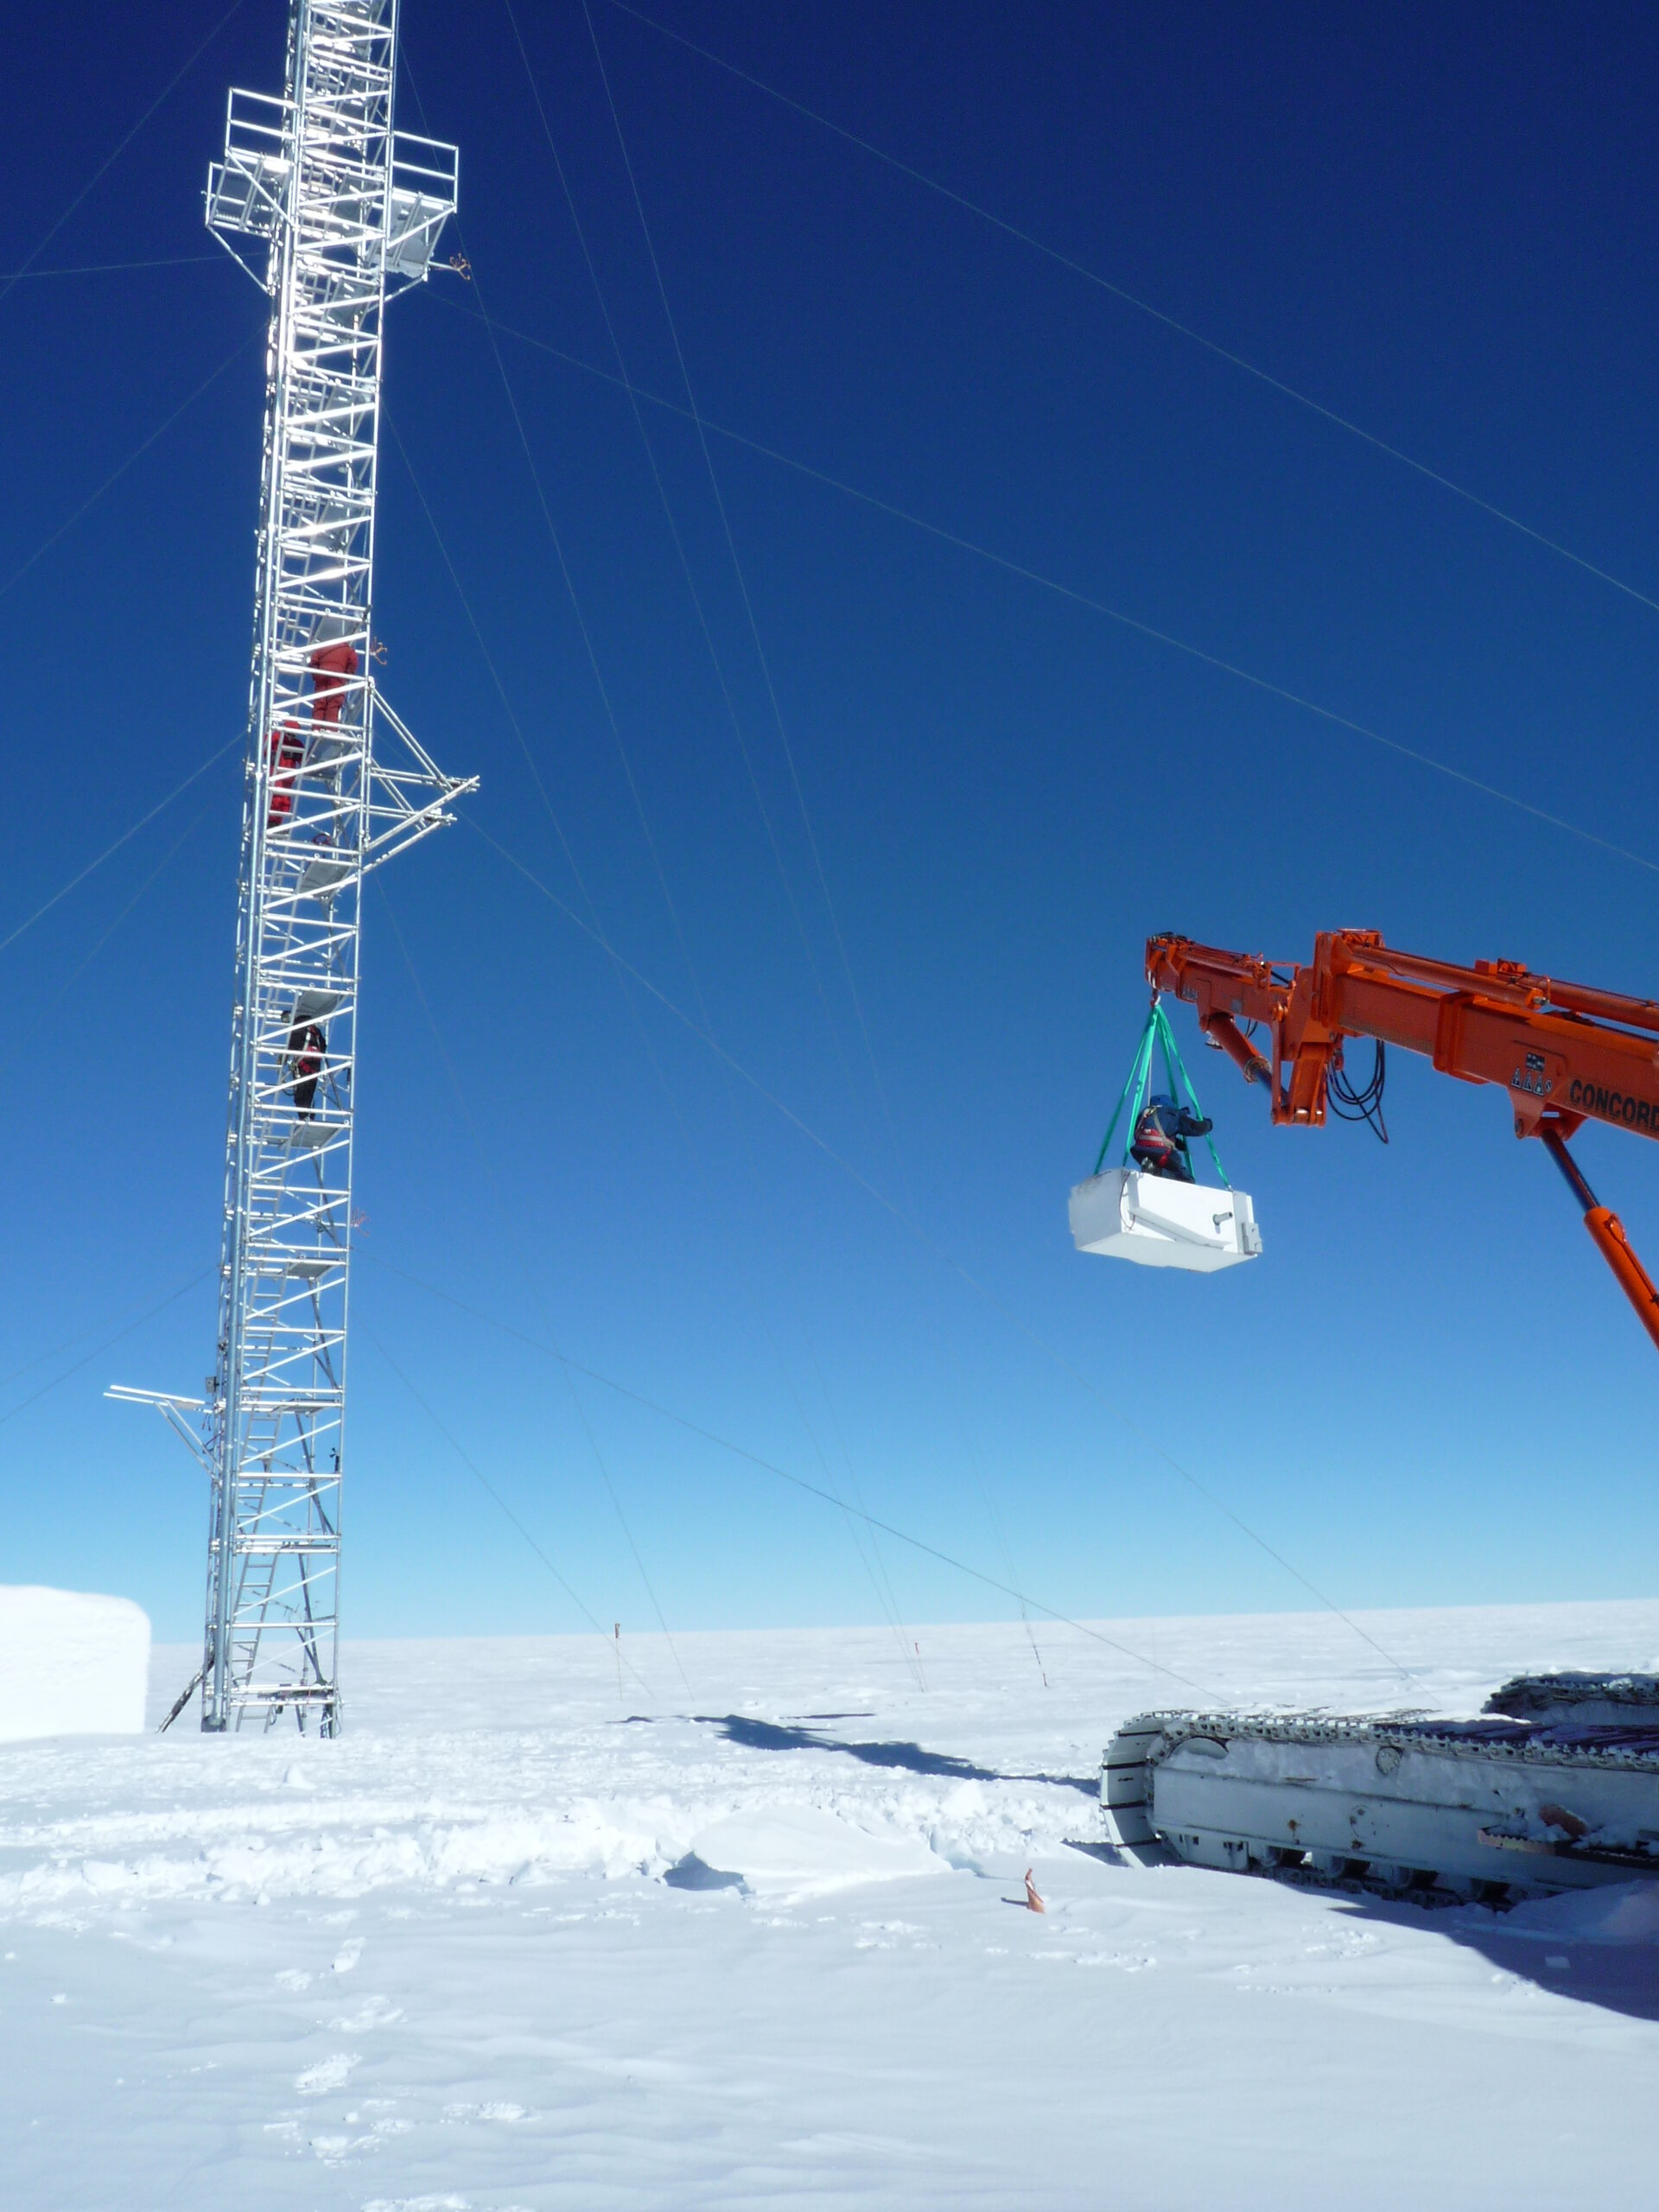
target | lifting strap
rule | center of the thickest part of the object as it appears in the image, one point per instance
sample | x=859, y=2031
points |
x=1157, y=1033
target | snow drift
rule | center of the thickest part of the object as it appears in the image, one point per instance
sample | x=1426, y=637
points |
x=793, y=1852
x=70, y=1664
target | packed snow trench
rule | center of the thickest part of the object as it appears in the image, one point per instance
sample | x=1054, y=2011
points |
x=549, y=1929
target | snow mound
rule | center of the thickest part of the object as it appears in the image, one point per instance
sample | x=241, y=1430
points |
x=1625, y=1912
x=794, y=1850
x=70, y=1664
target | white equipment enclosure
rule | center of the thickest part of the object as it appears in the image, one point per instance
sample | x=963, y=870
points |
x=1162, y=1222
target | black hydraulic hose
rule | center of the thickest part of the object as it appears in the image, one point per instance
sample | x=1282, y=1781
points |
x=1555, y=1144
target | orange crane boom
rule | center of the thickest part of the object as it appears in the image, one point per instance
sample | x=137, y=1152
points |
x=1565, y=1054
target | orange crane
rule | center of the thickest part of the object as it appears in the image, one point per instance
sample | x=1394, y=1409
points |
x=1565, y=1054
x=1555, y=1785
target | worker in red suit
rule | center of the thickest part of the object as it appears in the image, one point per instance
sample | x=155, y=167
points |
x=331, y=663
x=286, y=750
x=1161, y=1135
x=307, y=1053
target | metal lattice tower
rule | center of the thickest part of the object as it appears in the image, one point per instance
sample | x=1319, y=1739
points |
x=350, y=212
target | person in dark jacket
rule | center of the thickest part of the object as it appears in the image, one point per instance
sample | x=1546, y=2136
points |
x=1162, y=1136
x=306, y=1050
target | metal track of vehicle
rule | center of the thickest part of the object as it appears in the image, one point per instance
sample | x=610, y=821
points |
x=1603, y=1700
x=1488, y=1809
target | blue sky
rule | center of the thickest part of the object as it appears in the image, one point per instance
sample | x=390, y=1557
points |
x=1440, y=228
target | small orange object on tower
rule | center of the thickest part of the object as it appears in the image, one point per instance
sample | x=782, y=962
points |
x=1565, y=1054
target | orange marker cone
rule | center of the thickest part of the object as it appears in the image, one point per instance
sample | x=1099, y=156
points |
x=1033, y=1903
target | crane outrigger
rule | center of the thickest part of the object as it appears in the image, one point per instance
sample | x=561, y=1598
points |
x=1555, y=1786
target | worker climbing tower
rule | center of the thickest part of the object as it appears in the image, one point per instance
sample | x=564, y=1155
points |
x=348, y=212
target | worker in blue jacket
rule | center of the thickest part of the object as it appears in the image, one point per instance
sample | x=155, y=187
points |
x=1161, y=1135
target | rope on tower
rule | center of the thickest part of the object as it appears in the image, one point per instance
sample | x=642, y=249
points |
x=1141, y=307
x=878, y=1572
x=948, y=1260
x=137, y=454
x=20, y=1041
x=122, y=144
x=888, y=1602
x=110, y=850
x=472, y=1467
x=508, y=1224
x=110, y=268
x=98, y=1351
x=1027, y=575
x=767, y=1466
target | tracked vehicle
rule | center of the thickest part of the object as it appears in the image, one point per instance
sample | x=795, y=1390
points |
x=1480, y=1809
x=1555, y=1785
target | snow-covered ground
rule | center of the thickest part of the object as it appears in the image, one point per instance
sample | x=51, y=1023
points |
x=436, y=1964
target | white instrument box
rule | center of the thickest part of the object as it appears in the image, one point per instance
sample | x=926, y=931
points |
x=1160, y=1222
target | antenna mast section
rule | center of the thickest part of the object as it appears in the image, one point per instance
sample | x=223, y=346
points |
x=348, y=212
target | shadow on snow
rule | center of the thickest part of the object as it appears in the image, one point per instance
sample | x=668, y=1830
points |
x=1617, y=1977
x=772, y=1736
